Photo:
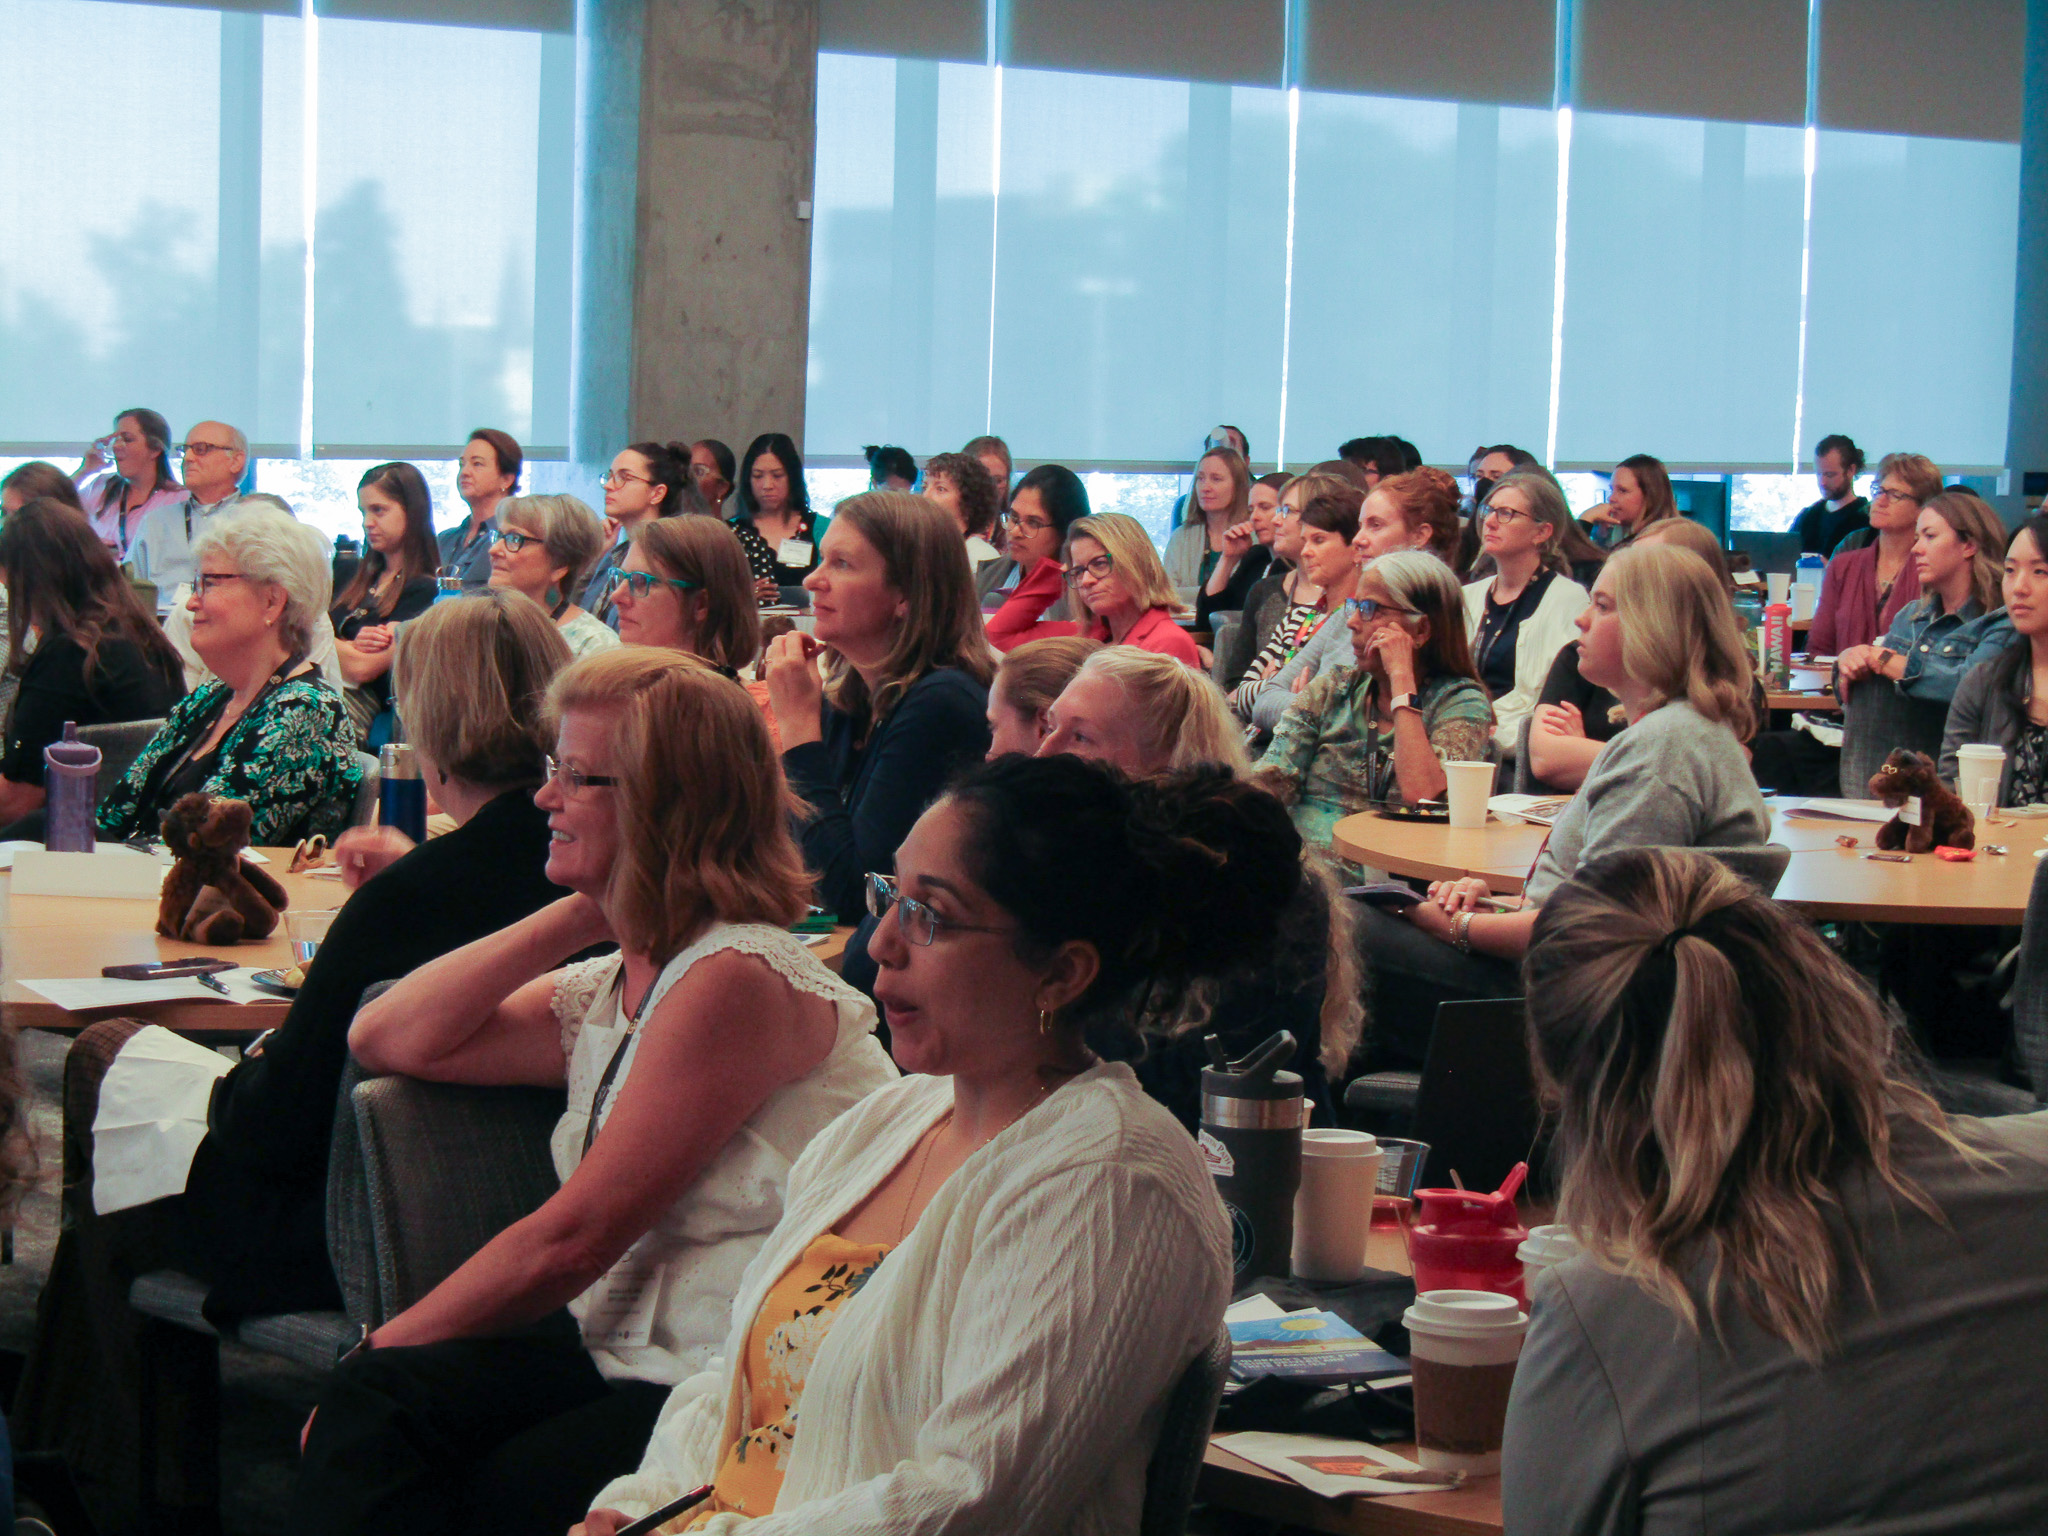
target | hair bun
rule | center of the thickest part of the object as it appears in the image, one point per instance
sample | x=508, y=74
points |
x=1186, y=830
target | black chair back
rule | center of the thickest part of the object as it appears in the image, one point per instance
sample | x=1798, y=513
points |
x=1476, y=1106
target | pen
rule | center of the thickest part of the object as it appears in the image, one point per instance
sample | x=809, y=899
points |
x=209, y=982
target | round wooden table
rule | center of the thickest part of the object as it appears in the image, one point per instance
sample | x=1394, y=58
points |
x=1823, y=880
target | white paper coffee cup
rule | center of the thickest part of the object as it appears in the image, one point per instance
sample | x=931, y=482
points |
x=1462, y=1349
x=1979, y=767
x=1340, y=1174
x=1778, y=586
x=1805, y=599
x=1470, y=786
x=1545, y=1248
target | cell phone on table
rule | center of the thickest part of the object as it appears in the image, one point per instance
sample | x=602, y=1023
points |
x=167, y=970
x=654, y=1519
x=1387, y=895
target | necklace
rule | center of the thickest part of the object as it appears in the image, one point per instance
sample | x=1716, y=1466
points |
x=932, y=1140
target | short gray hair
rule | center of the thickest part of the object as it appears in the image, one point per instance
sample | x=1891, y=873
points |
x=274, y=547
x=572, y=534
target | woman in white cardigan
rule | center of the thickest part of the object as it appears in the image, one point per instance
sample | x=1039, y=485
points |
x=1527, y=611
x=1028, y=1252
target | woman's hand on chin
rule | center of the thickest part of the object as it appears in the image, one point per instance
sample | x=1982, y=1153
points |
x=796, y=690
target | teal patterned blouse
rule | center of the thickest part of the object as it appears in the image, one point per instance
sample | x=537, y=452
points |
x=292, y=757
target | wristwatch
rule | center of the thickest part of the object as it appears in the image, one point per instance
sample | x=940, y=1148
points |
x=350, y=1348
x=1403, y=701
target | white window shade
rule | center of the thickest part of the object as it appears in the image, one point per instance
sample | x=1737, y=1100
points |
x=1238, y=42
x=1423, y=275
x=1910, y=320
x=1495, y=51
x=1936, y=68
x=1738, y=61
x=1681, y=318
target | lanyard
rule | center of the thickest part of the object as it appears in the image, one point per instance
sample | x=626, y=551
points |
x=611, y=1069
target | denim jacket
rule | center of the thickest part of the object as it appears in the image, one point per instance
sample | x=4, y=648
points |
x=1940, y=647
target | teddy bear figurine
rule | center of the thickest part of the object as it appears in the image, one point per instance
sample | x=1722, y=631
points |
x=211, y=896
x=1945, y=822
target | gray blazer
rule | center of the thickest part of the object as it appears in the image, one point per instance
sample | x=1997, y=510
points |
x=993, y=574
x=1981, y=713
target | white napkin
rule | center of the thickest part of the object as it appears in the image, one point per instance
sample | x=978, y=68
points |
x=151, y=1119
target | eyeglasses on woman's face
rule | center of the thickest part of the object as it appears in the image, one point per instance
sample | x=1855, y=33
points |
x=1496, y=513
x=1099, y=568
x=514, y=540
x=612, y=479
x=640, y=583
x=1026, y=524
x=919, y=924
x=206, y=581
x=1370, y=608
x=1891, y=493
x=575, y=779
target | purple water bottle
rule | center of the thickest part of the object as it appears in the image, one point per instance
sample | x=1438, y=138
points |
x=71, y=776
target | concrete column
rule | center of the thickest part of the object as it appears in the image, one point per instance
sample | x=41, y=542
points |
x=609, y=38
x=722, y=271
x=2026, y=446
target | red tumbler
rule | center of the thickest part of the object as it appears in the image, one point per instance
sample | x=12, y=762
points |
x=1463, y=1240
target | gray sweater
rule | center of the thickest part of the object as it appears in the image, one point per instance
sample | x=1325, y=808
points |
x=1980, y=712
x=1674, y=779
x=1924, y=1418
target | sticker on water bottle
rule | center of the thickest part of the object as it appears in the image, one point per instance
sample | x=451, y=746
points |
x=1216, y=1156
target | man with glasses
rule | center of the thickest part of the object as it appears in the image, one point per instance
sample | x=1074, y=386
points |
x=1840, y=520
x=215, y=457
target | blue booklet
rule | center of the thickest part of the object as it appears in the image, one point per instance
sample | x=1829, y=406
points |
x=1315, y=1348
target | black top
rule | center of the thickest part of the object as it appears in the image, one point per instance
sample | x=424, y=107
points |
x=864, y=798
x=1232, y=598
x=1599, y=709
x=1821, y=531
x=414, y=599
x=125, y=685
x=1500, y=626
x=257, y=1192
x=762, y=557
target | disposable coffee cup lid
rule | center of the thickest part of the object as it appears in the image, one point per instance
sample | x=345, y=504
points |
x=1330, y=1143
x=1980, y=749
x=1547, y=1245
x=1467, y=1314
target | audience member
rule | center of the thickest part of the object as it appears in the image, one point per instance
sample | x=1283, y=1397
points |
x=1123, y=595
x=1380, y=457
x=488, y=473
x=1867, y=587
x=1662, y=636
x=1246, y=556
x=1129, y=707
x=1417, y=509
x=1638, y=494
x=712, y=471
x=1791, y=1258
x=82, y=645
x=887, y=699
x=685, y=585
x=1215, y=504
x=251, y=1220
x=1055, y=1255
x=34, y=481
x=393, y=582
x=119, y=496
x=959, y=483
x=2003, y=700
x=1026, y=683
x=544, y=545
x=1264, y=501
x=699, y=1061
x=994, y=454
x=1284, y=608
x=1329, y=525
x=267, y=730
x=1048, y=501
x=780, y=533
x=890, y=468
x=1524, y=614
x=1841, y=514
x=214, y=460
x=1380, y=728
x=646, y=481
x=1487, y=465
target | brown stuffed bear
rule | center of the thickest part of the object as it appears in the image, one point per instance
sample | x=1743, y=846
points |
x=1945, y=822
x=211, y=896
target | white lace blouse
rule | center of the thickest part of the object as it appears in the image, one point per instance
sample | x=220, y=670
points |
x=659, y=1314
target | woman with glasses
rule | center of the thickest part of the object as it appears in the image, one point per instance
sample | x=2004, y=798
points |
x=1032, y=587
x=645, y=482
x=685, y=585
x=1380, y=729
x=393, y=582
x=544, y=545
x=1522, y=615
x=1328, y=528
x=700, y=1060
x=266, y=729
x=1123, y=595
x=782, y=535
x=1865, y=589
x=1038, y=1252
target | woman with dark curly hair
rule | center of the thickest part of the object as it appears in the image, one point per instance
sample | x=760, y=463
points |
x=961, y=484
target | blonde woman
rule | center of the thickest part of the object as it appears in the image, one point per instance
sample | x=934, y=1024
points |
x=1026, y=683
x=542, y=547
x=1522, y=615
x=1121, y=590
x=699, y=1059
x=1805, y=1297
x=888, y=699
x=1144, y=712
x=685, y=584
x=1661, y=636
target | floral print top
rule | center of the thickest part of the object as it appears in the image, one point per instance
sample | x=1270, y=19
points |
x=292, y=757
x=794, y=1318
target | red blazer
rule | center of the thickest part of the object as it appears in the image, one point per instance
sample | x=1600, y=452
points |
x=1156, y=631
x=1018, y=619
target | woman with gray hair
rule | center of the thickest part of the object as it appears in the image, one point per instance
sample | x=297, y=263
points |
x=545, y=545
x=267, y=729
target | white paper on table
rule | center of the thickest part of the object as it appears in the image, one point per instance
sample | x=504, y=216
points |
x=1324, y=1465
x=1254, y=1309
x=1839, y=810
x=83, y=994
x=1541, y=809
x=109, y=870
x=151, y=1119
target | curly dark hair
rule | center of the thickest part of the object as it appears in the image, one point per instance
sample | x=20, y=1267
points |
x=981, y=500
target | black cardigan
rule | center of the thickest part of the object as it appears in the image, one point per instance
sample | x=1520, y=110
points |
x=864, y=800
x=256, y=1198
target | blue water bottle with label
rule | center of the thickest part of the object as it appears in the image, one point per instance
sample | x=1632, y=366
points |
x=401, y=792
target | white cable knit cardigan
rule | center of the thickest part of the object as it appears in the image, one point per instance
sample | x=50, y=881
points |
x=1548, y=630
x=1006, y=1368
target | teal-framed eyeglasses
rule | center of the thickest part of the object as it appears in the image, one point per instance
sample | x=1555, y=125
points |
x=919, y=923
x=640, y=583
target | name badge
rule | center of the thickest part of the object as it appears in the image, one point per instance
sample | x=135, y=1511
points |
x=620, y=1311
x=1909, y=813
x=794, y=552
